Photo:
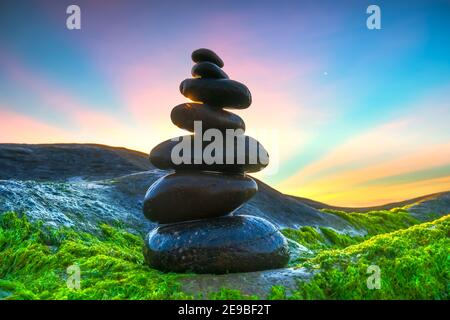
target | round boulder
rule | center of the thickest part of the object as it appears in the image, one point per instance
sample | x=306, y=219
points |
x=219, y=245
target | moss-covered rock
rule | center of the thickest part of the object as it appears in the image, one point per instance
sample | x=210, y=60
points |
x=414, y=264
x=34, y=261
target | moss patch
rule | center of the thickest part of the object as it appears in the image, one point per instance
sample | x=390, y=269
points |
x=317, y=240
x=413, y=264
x=306, y=236
x=374, y=223
x=34, y=264
x=377, y=222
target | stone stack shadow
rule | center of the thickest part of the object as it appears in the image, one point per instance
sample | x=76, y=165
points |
x=193, y=206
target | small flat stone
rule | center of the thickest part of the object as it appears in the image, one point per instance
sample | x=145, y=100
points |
x=220, y=245
x=184, y=115
x=186, y=196
x=221, y=93
x=208, y=70
x=251, y=157
x=204, y=54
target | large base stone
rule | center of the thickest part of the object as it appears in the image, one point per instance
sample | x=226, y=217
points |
x=219, y=245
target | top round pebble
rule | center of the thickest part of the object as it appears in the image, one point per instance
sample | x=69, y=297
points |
x=204, y=54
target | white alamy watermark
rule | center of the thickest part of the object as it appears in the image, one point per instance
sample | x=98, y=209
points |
x=73, y=277
x=374, y=280
x=373, y=22
x=232, y=147
x=73, y=21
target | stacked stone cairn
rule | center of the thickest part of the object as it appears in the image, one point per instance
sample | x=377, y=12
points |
x=194, y=206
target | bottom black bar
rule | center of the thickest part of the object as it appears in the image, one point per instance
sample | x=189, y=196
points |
x=206, y=309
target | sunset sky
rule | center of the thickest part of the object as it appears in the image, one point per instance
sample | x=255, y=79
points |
x=350, y=116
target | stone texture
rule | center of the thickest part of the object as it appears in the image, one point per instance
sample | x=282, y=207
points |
x=184, y=115
x=185, y=196
x=208, y=70
x=204, y=54
x=220, y=245
x=160, y=156
x=221, y=93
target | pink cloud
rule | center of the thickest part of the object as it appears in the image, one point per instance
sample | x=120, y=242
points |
x=90, y=125
x=18, y=128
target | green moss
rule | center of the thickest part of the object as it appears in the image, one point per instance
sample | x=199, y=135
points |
x=374, y=223
x=306, y=236
x=413, y=258
x=321, y=238
x=339, y=240
x=414, y=264
x=377, y=222
x=35, y=260
x=277, y=293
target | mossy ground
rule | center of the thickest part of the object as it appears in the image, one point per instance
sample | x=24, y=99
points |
x=34, y=264
x=413, y=259
x=377, y=222
x=372, y=223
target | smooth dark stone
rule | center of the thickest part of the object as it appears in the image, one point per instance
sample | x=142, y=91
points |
x=220, y=245
x=160, y=156
x=203, y=54
x=186, y=196
x=184, y=115
x=222, y=93
x=208, y=70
